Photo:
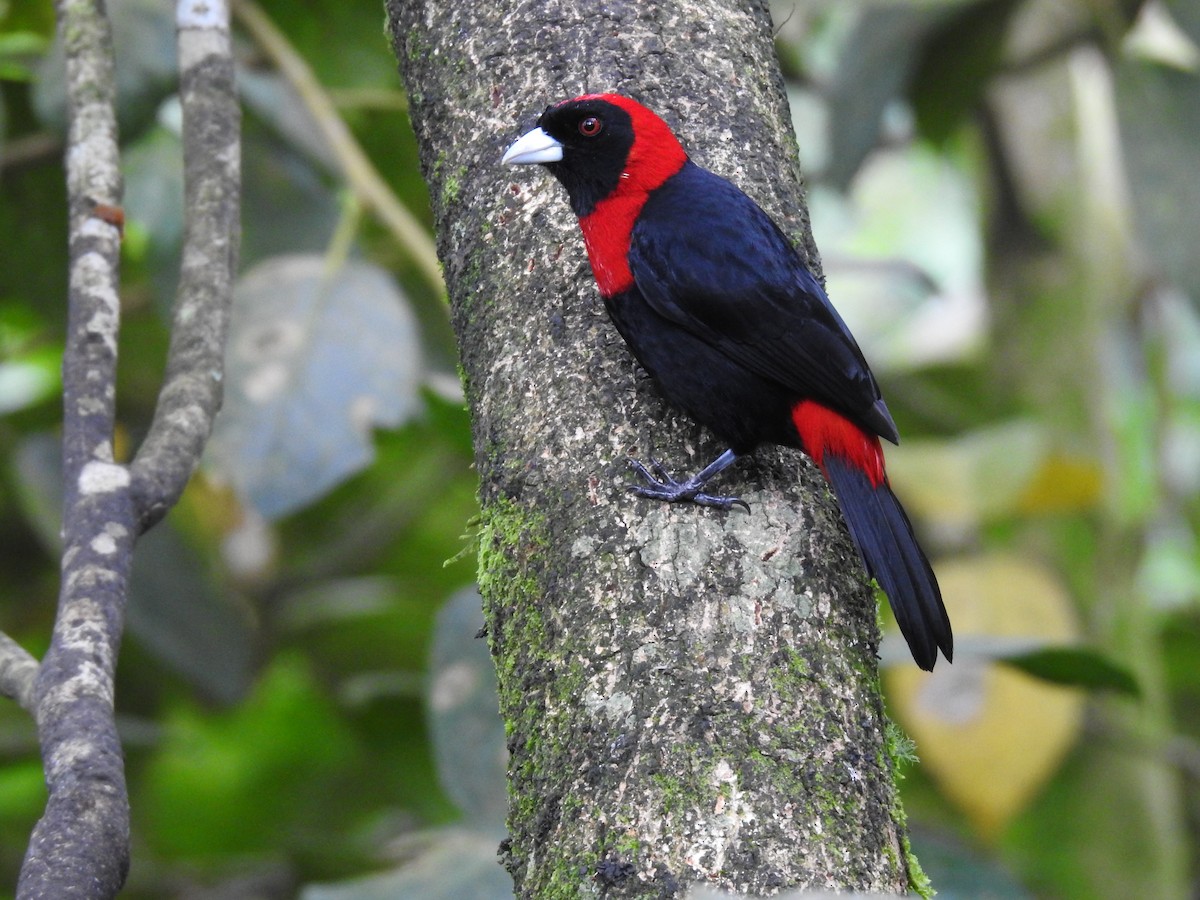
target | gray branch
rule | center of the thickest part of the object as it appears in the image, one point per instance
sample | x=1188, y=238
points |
x=689, y=695
x=18, y=671
x=191, y=394
x=80, y=846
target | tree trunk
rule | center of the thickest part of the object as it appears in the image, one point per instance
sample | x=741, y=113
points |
x=690, y=695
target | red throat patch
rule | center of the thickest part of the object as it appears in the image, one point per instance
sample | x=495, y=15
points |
x=606, y=234
x=822, y=431
x=655, y=156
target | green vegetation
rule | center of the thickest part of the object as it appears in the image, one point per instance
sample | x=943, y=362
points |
x=1006, y=209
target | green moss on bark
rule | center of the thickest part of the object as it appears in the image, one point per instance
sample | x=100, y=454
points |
x=688, y=696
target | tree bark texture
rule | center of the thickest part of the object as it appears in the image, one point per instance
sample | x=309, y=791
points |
x=690, y=695
x=80, y=845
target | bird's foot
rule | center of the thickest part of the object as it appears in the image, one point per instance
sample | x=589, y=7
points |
x=661, y=486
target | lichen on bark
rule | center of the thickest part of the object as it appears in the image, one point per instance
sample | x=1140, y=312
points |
x=689, y=695
x=80, y=845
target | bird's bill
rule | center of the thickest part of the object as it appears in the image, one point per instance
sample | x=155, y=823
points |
x=533, y=147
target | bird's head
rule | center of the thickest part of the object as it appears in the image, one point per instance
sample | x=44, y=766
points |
x=600, y=145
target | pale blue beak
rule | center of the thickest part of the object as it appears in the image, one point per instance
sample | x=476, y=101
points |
x=533, y=147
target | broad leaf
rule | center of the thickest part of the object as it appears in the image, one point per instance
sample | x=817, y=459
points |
x=990, y=736
x=456, y=864
x=153, y=172
x=903, y=256
x=17, y=50
x=36, y=472
x=30, y=364
x=1186, y=14
x=275, y=101
x=956, y=65
x=30, y=380
x=1159, y=111
x=874, y=68
x=993, y=473
x=315, y=361
x=1075, y=667
x=285, y=746
x=179, y=615
x=464, y=717
x=144, y=43
x=959, y=867
x=288, y=206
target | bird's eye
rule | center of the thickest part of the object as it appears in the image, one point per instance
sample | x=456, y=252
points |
x=590, y=127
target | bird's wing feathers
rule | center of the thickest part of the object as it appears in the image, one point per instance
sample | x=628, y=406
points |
x=706, y=257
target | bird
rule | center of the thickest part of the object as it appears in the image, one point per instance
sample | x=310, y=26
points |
x=719, y=308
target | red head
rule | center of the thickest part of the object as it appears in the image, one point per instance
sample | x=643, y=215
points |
x=601, y=146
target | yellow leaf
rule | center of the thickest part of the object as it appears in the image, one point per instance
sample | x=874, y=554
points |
x=991, y=736
x=1003, y=470
x=1062, y=484
x=962, y=482
x=208, y=507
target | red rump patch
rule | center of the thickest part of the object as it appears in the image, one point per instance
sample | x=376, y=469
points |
x=655, y=156
x=822, y=431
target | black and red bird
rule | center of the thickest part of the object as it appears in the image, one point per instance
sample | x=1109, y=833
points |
x=722, y=312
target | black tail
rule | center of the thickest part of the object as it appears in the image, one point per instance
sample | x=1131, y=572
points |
x=892, y=556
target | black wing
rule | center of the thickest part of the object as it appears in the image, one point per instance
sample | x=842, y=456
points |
x=707, y=257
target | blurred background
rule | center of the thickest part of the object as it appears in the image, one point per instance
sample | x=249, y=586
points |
x=1006, y=194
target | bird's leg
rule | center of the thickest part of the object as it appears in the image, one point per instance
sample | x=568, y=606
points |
x=661, y=486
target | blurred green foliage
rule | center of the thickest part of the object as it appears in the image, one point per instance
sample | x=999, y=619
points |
x=1004, y=192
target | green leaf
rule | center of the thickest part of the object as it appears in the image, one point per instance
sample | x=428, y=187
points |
x=1186, y=14
x=1075, y=667
x=873, y=68
x=316, y=359
x=36, y=471
x=16, y=43
x=144, y=43
x=22, y=796
x=13, y=46
x=276, y=103
x=457, y=863
x=288, y=205
x=961, y=869
x=30, y=358
x=153, y=171
x=956, y=65
x=26, y=382
x=1159, y=114
x=251, y=779
x=903, y=255
x=325, y=603
x=917, y=4
x=464, y=718
x=178, y=614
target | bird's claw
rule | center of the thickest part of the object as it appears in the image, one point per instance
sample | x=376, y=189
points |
x=661, y=486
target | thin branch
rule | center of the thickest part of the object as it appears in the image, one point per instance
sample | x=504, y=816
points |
x=192, y=391
x=80, y=846
x=1057, y=48
x=18, y=670
x=1177, y=750
x=28, y=150
x=384, y=99
x=358, y=169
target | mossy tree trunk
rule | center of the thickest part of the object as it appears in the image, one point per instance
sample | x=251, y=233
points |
x=690, y=695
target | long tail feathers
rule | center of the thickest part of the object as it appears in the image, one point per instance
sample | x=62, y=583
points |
x=892, y=556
